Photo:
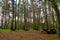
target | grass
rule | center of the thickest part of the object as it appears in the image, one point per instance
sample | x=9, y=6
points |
x=5, y=30
x=9, y=30
x=56, y=37
x=19, y=30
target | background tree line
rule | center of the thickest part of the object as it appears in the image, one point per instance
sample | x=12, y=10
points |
x=30, y=14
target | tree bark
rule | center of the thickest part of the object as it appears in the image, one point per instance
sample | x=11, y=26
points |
x=54, y=5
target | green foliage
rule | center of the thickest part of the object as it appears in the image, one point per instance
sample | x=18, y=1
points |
x=5, y=30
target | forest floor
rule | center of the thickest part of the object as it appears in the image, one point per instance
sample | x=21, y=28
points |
x=26, y=35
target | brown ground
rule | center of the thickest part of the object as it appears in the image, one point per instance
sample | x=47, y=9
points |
x=27, y=35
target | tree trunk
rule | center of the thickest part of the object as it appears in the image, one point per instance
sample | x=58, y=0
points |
x=12, y=25
x=54, y=4
x=46, y=22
